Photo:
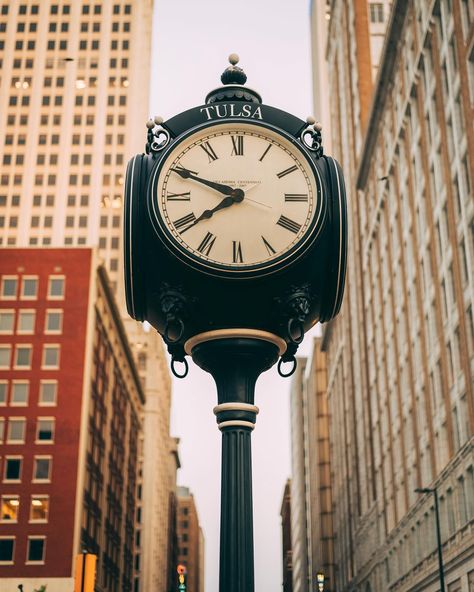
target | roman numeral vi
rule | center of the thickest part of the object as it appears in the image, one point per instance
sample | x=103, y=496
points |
x=237, y=252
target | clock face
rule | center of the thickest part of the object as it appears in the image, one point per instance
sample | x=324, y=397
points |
x=237, y=198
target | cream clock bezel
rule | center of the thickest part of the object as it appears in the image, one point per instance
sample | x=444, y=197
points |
x=270, y=265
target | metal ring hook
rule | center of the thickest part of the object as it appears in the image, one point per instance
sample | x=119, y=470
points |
x=295, y=326
x=186, y=367
x=175, y=323
x=287, y=374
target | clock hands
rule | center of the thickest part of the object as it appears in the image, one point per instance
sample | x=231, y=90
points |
x=238, y=194
x=185, y=174
x=225, y=203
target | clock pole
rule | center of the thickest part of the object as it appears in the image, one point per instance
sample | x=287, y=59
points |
x=235, y=363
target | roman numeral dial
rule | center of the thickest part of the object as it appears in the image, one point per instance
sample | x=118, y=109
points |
x=237, y=145
x=236, y=197
x=209, y=150
x=207, y=243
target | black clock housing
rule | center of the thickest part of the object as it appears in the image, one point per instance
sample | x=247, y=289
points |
x=182, y=298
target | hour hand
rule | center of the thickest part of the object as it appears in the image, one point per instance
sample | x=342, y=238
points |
x=186, y=174
x=225, y=203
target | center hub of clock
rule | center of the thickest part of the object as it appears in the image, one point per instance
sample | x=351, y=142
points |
x=237, y=195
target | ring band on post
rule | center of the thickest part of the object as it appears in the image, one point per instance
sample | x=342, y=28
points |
x=223, y=407
x=236, y=423
x=236, y=407
x=235, y=334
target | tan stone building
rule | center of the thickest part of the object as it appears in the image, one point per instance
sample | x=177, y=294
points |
x=311, y=468
x=400, y=358
x=285, y=513
x=300, y=546
x=190, y=540
x=74, y=91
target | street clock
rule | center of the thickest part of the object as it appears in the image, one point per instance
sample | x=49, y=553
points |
x=234, y=220
x=235, y=245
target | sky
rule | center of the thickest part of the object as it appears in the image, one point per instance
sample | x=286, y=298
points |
x=192, y=40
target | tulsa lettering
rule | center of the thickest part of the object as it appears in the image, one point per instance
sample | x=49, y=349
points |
x=232, y=110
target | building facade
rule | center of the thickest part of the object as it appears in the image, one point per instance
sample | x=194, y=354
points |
x=311, y=469
x=285, y=513
x=70, y=422
x=74, y=91
x=190, y=540
x=300, y=546
x=400, y=358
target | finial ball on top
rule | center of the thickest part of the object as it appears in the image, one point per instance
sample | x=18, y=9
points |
x=310, y=120
x=150, y=124
x=158, y=120
x=234, y=59
x=318, y=126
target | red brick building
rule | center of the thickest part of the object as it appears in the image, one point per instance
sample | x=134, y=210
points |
x=70, y=404
x=190, y=540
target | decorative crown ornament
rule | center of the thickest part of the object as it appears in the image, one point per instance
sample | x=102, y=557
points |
x=233, y=74
x=233, y=78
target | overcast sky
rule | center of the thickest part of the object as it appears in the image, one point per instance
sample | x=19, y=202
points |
x=192, y=40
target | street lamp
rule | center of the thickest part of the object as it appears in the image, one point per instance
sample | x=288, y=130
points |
x=438, y=533
x=320, y=581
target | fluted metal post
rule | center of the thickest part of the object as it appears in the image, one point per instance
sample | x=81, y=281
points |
x=235, y=365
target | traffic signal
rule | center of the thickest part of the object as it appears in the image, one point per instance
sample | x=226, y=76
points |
x=181, y=569
x=84, y=576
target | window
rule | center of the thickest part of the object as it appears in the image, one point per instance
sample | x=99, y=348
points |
x=45, y=429
x=12, y=471
x=23, y=356
x=3, y=398
x=54, y=321
x=470, y=580
x=20, y=391
x=462, y=502
x=50, y=356
x=454, y=586
x=56, y=288
x=39, y=508
x=9, y=288
x=48, y=392
x=42, y=468
x=7, y=548
x=36, y=545
x=7, y=321
x=2, y=428
x=376, y=12
x=26, y=321
x=16, y=430
x=10, y=508
x=5, y=356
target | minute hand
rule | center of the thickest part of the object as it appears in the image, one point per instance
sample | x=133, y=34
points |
x=185, y=174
